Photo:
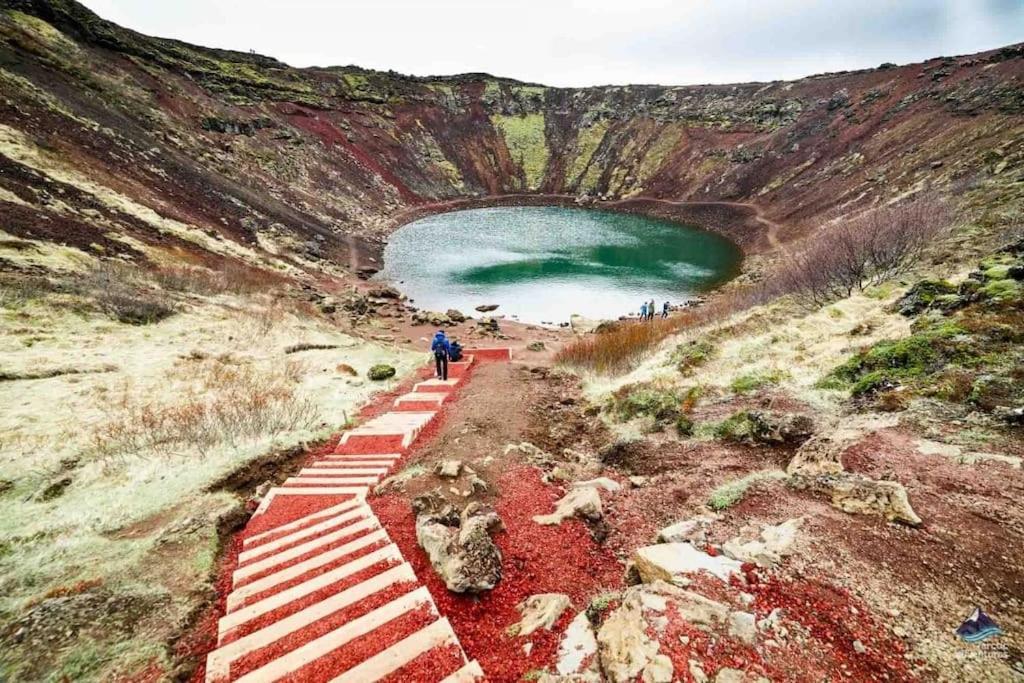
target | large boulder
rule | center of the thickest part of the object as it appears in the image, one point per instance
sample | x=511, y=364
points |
x=582, y=502
x=381, y=371
x=692, y=530
x=578, y=647
x=672, y=562
x=460, y=549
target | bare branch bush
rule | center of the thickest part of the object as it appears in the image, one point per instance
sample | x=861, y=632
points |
x=226, y=404
x=861, y=251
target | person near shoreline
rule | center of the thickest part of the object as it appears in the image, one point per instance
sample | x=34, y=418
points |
x=442, y=351
x=664, y=310
x=643, y=311
x=650, y=310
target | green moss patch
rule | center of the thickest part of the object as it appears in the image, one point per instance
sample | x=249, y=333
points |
x=526, y=142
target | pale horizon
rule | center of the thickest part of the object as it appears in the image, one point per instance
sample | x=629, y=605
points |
x=580, y=44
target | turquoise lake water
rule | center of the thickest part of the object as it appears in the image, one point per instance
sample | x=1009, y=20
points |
x=543, y=264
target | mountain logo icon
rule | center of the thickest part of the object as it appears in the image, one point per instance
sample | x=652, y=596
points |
x=978, y=627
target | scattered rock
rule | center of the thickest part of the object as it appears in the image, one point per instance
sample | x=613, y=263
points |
x=381, y=371
x=488, y=324
x=5, y=486
x=638, y=480
x=463, y=554
x=601, y=483
x=346, y=369
x=782, y=429
x=582, y=502
x=774, y=544
x=539, y=611
x=578, y=646
x=449, y=469
x=743, y=625
x=54, y=489
x=535, y=346
x=688, y=531
x=384, y=292
x=671, y=562
x=858, y=494
x=924, y=295
x=476, y=485
x=487, y=308
x=456, y=316
x=729, y=676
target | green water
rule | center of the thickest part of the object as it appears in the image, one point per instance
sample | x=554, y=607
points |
x=543, y=264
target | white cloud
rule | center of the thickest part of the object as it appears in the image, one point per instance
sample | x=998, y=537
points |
x=586, y=42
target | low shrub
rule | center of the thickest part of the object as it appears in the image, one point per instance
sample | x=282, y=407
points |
x=688, y=357
x=728, y=494
x=645, y=400
x=756, y=380
x=125, y=294
x=381, y=371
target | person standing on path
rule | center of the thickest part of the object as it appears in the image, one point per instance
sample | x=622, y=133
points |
x=643, y=311
x=650, y=310
x=664, y=311
x=442, y=349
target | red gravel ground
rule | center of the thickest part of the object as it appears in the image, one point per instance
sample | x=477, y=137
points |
x=536, y=559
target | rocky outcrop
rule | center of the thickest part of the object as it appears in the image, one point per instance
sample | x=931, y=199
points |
x=692, y=530
x=628, y=640
x=459, y=546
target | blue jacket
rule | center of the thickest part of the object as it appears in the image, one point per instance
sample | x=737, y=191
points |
x=441, y=344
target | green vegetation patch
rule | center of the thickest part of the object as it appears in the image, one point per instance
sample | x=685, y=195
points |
x=730, y=493
x=688, y=357
x=753, y=381
x=587, y=142
x=526, y=142
x=645, y=400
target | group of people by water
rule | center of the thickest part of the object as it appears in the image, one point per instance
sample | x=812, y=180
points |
x=648, y=309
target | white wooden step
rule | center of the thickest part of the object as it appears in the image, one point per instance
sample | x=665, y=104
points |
x=263, y=565
x=436, y=385
x=218, y=663
x=405, y=424
x=239, y=595
x=313, y=650
x=356, y=491
x=302, y=521
x=353, y=513
x=331, y=481
x=364, y=456
x=467, y=674
x=401, y=653
x=272, y=602
x=437, y=397
x=342, y=470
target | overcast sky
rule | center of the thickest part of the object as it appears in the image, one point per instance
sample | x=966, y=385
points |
x=586, y=42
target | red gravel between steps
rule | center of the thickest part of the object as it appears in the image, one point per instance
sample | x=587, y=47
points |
x=302, y=558
x=536, y=559
x=360, y=649
x=291, y=608
x=305, y=539
x=278, y=532
x=258, y=658
x=430, y=667
x=284, y=509
x=360, y=444
x=313, y=573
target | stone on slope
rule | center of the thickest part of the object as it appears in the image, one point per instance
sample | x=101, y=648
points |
x=578, y=502
x=773, y=543
x=449, y=469
x=460, y=547
x=600, y=482
x=692, y=530
x=858, y=494
x=578, y=647
x=539, y=611
x=671, y=562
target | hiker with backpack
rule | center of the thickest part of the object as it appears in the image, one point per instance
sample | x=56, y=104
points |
x=442, y=349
